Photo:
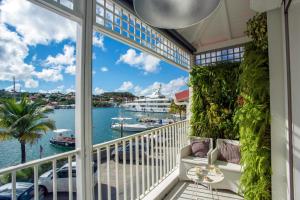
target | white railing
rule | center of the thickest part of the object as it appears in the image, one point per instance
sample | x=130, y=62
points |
x=141, y=161
x=127, y=168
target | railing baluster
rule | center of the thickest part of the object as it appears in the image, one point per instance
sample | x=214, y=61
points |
x=174, y=145
x=54, y=180
x=160, y=154
x=131, y=169
x=186, y=132
x=137, y=167
x=117, y=170
x=156, y=156
x=143, y=164
x=70, y=177
x=124, y=171
x=177, y=143
x=108, y=172
x=167, y=151
x=170, y=149
x=36, y=182
x=148, y=163
x=152, y=159
x=180, y=138
x=164, y=147
x=99, y=173
x=13, y=185
x=182, y=134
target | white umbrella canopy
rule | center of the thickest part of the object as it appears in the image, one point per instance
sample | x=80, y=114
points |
x=174, y=14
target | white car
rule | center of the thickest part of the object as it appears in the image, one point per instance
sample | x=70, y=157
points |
x=46, y=179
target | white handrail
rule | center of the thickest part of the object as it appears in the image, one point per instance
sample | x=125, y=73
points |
x=37, y=162
x=134, y=135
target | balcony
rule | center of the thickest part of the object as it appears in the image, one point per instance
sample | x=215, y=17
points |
x=150, y=171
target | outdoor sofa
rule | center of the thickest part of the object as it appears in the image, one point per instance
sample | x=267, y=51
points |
x=226, y=156
x=189, y=157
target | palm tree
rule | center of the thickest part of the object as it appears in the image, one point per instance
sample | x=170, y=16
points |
x=177, y=109
x=24, y=120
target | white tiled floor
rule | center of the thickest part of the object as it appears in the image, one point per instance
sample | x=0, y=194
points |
x=190, y=191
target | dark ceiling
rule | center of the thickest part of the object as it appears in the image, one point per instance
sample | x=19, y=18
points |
x=170, y=32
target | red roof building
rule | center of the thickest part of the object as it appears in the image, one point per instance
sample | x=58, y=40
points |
x=182, y=97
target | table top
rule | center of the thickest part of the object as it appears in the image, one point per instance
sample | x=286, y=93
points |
x=205, y=174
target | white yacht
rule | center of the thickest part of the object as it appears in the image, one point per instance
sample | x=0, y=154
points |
x=155, y=103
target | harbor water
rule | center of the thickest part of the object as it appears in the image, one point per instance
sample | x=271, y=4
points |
x=65, y=119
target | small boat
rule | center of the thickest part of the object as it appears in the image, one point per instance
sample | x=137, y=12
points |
x=148, y=120
x=64, y=138
x=133, y=127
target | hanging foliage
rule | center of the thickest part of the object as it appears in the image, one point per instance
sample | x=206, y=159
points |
x=252, y=118
x=214, y=100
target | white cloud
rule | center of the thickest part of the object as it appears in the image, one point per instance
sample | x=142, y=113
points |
x=143, y=61
x=66, y=58
x=168, y=89
x=126, y=85
x=59, y=89
x=93, y=72
x=49, y=75
x=137, y=89
x=30, y=83
x=104, y=69
x=11, y=88
x=71, y=69
x=35, y=24
x=98, y=41
x=98, y=91
x=13, y=51
x=71, y=89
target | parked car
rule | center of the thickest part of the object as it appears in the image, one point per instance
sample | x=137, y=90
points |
x=46, y=179
x=24, y=191
x=127, y=147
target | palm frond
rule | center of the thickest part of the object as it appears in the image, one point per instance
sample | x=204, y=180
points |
x=31, y=137
x=4, y=135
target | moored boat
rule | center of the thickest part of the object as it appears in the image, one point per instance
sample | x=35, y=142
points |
x=132, y=127
x=64, y=138
x=155, y=103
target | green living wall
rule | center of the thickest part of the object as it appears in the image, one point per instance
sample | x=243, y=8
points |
x=214, y=100
x=231, y=100
x=253, y=114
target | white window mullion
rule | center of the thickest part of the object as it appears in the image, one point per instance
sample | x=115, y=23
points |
x=83, y=111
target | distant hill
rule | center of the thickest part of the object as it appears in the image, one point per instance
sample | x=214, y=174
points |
x=106, y=99
x=117, y=97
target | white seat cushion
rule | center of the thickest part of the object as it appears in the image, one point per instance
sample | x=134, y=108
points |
x=228, y=166
x=194, y=160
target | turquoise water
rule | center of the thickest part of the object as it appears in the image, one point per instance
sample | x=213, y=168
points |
x=65, y=118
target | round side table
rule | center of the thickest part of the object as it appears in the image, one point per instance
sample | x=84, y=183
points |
x=206, y=175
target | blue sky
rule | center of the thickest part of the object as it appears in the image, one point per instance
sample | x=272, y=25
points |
x=39, y=48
